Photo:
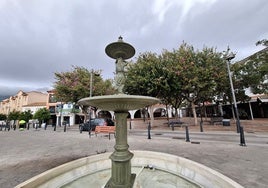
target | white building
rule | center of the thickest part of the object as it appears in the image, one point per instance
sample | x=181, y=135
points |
x=33, y=107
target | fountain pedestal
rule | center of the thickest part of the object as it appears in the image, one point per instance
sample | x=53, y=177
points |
x=121, y=157
x=121, y=165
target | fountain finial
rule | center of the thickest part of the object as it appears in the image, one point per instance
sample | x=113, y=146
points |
x=120, y=39
x=120, y=51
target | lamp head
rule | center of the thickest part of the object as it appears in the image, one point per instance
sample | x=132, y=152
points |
x=230, y=56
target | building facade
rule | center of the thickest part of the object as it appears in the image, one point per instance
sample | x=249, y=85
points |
x=21, y=100
x=34, y=107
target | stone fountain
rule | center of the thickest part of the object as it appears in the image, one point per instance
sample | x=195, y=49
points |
x=120, y=104
x=151, y=169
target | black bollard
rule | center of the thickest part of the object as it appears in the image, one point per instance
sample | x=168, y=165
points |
x=130, y=124
x=201, y=126
x=242, y=137
x=187, y=134
x=89, y=132
x=149, y=130
x=8, y=126
x=14, y=127
x=28, y=126
x=172, y=126
x=45, y=126
x=64, y=130
x=55, y=127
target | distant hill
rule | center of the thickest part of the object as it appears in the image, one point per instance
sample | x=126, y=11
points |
x=2, y=97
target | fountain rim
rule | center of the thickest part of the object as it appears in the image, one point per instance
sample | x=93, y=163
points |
x=186, y=168
x=119, y=102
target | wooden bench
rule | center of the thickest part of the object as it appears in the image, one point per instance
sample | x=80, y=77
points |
x=105, y=129
x=214, y=120
x=176, y=124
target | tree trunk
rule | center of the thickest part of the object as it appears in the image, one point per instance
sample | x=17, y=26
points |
x=205, y=111
x=167, y=114
x=194, y=113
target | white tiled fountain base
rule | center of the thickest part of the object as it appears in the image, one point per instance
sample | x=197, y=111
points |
x=152, y=169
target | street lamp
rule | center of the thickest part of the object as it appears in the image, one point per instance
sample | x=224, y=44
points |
x=228, y=58
x=90, y=95
x=91, y=81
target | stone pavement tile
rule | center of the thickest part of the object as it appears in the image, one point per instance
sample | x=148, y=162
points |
x=28, y=153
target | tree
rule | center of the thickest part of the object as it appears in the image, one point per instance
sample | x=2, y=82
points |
x=162, y=82
x=42, y=115
x=75, y=85
x=26, y=115
x=251, y=73
x=199, y=72
x=3, y=116
x=170, y=81
x=263, y=42
x=177, y=75
x=14, y=115
x=138, y=81
x=255, y=70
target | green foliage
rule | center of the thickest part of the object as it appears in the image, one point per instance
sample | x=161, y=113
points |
x=253, y=73
x=200, y=71
x=74, y=85
x=141, y=76
x=27, y=115
x=173, y=76
x=177, y=75
x=3, y=116
x=14, y=115
x=263, y=42
x=42, y=114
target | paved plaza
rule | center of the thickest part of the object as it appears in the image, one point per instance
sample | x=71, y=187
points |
x=27, y=153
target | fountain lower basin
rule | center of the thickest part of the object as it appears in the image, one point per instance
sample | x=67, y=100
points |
x=153, y=169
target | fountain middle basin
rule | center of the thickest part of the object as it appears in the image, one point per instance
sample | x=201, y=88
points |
x=119, y=102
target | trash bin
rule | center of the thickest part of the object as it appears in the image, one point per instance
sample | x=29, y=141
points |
x=226, y=122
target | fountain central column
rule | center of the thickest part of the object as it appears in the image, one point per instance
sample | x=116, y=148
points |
x=120, y=103
x=121, y=157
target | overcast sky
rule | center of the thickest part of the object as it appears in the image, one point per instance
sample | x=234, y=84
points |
x=41, y=37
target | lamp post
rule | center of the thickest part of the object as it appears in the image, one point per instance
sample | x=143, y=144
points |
x=229, y=57
x=90, y=95
x=91, y=80
x=95, y=73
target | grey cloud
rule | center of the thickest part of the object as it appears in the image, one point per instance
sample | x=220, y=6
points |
x=40, y=37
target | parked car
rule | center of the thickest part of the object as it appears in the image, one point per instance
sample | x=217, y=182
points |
x=90, y=125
